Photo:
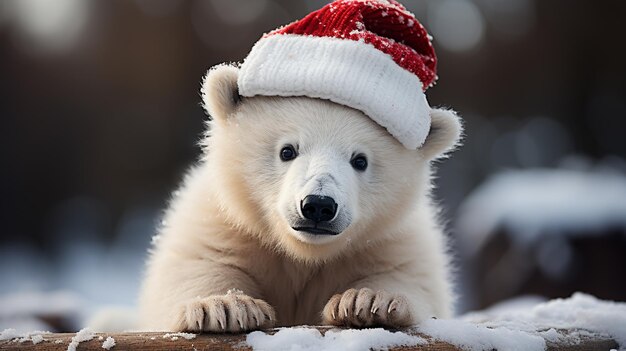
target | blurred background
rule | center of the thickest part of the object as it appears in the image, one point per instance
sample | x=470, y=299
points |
x=100, y=118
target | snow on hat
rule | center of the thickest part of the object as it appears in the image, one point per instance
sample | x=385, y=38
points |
x=371, y=55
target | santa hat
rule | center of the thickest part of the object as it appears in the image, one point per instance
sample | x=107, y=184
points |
x=371, y=55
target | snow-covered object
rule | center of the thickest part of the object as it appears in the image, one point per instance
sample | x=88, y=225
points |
x=108, y=343
x=533, y=203
x=308, y=339
x=529, y=329
x=370, y=55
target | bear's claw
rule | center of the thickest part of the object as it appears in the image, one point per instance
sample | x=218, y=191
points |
x=366, y=308
x=233, y=312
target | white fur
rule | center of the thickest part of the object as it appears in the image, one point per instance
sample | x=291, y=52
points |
x=228, y=227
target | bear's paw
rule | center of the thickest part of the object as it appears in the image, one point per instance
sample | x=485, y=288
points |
x=366, y=308
x=232, y=312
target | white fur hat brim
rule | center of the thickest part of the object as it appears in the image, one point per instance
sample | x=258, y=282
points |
x=350, y=73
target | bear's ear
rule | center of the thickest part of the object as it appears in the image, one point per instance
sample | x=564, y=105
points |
x=444, y=136
x=220, y=93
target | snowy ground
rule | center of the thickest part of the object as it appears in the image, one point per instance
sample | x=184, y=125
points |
x=523, y=325
x=513, y=327
x=306, y=339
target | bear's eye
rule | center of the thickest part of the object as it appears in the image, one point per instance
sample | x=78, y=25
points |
x=288, y=153
x=359, y=162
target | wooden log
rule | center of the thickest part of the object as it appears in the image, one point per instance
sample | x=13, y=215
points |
x=150, y=341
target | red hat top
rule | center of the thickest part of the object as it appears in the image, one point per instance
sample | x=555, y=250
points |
x=385, y=24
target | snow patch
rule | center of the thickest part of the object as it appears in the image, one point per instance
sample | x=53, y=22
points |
x=36, y=339
x=11, y=334
x=473, y=337
x=84, y=334
x=307, y=339
x=108, y=343
x=551, y=335
x=583, y=314
x=175, y=336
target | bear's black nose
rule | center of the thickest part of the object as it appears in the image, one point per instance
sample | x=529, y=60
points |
x=318, y=208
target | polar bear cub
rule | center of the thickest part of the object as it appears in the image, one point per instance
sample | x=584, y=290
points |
x=300, y=211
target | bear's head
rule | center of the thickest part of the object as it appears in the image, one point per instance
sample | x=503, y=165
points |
x=309, y=177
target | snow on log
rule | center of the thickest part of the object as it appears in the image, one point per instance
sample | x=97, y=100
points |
x=342, y=339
